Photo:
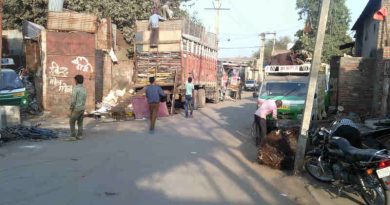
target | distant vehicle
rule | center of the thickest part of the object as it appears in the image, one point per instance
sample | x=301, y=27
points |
x=12, y=90
x=250, y=85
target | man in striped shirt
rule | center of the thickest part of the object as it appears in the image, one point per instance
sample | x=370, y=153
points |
x=347, y=129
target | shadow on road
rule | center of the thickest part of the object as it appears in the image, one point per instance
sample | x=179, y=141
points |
x=201, y=161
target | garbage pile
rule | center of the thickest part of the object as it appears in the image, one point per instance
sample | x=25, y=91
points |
x=117, y=104
x=23, y=133
x=278, y=149
x=33, y=105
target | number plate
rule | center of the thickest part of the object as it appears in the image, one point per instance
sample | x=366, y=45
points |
x=285, y=107
x=382, y=173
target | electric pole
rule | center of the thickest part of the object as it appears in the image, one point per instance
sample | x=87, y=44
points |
x=315, y=67
x=273, y=46
x=217, y=6
x=260, y=62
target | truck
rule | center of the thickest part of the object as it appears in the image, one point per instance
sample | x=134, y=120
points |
x=185, y=49
x=289, y=83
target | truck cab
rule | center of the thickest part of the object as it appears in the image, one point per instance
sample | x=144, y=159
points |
x=289, y=84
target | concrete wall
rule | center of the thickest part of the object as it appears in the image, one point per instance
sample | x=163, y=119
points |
x=67, y=55
x=13, y=42
x=370, y=38
x=9, y=116
x=251, y=74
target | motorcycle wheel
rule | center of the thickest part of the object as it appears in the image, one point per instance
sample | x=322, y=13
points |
x=313, y=168
x=375, y=194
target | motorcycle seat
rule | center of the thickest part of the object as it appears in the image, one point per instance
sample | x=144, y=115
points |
x=352, y=153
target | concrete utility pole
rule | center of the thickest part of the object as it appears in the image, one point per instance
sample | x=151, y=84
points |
x=217, y=6
x=315, y=67
x=273, y=46
x=260, y=62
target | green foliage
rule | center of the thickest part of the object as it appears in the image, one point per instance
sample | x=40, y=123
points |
x=15, y=11
x=337, y=27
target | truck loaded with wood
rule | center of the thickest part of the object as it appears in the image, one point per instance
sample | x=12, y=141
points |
x=184, y=50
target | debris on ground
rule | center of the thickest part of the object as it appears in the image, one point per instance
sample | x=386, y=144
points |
x=111, y=193
x=33, y=107
x=278, y=149
x=23, y=132
x=117, y=104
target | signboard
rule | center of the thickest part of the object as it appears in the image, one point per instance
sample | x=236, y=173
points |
x=287, y=69
x=7, y=61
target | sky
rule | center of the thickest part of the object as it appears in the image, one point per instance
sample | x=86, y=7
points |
x=241, y=25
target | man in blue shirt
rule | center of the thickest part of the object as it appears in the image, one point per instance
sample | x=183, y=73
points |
x=153, y=25
x=153, y=94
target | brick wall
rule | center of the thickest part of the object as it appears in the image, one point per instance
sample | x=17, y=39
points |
x=382, y=34
x=352, y=82
x=379, y=75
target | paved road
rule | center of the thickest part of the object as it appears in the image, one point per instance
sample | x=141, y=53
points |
x=205, y=160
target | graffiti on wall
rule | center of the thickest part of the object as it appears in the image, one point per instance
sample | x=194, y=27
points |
x=82, y=64
x=57, y=71
x=62, y=87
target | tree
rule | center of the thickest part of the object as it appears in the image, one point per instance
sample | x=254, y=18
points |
x=336, y=32
x=15, y=11
x=280, y=45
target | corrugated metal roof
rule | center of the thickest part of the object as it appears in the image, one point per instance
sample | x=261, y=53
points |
x=31, y=30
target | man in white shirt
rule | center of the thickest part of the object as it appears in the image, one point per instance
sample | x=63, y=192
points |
x=153, y=25
x=189, y=97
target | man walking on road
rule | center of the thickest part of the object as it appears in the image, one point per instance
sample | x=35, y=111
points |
x=240, y=84
x=266, y=108
x=189, y=101
x=153, y=94
x=77, y=108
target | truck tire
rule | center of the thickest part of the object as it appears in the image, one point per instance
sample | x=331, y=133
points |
x=201, y=98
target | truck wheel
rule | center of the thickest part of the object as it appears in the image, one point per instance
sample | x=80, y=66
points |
x=201, y=98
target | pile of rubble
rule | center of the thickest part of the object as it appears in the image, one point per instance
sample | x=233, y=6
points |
x=278, y=149
x=23, y=133
x=33, y=105
x=117, y=104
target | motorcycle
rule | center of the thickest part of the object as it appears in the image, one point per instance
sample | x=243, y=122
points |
x=334, y=160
